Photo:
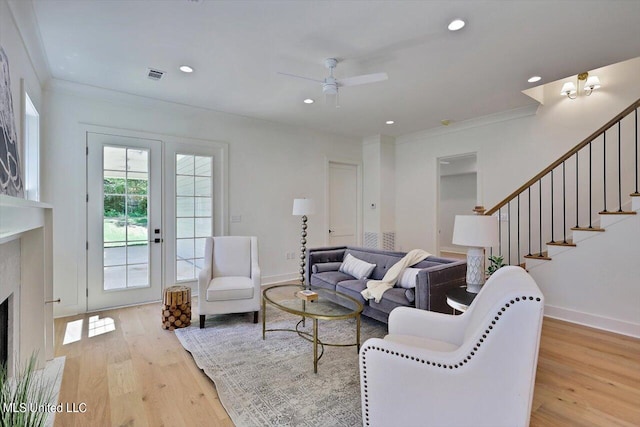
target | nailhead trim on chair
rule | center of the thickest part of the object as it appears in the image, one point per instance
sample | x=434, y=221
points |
x=428, y=362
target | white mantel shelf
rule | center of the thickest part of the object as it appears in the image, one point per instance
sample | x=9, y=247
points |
x=19, y=215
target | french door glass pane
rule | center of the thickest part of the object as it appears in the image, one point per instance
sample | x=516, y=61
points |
x=194, y=207
x=125, y=217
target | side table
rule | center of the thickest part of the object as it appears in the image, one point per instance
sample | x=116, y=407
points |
x=459, y=299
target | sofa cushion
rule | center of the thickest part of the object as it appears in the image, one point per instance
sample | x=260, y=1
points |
x=353, y=288
x=329, y=279
x=356, y=267
x=230, y=288
x=392, y=298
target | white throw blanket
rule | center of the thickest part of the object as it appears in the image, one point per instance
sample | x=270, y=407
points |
x=375, y=288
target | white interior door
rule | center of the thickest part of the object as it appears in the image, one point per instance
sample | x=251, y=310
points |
x=124, y=220
x=343, y=204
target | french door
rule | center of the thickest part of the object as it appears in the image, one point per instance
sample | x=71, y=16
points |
x=124, y=220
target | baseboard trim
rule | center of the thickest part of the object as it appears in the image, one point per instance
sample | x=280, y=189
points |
x=593, y=321
x=278, y=278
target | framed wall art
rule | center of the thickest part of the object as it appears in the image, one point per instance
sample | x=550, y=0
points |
x=10, y=166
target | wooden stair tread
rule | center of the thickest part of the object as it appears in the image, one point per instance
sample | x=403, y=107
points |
x=635, y=194
x=568, y=243
x=617, y=213
x=543, y=256
x=587, y=229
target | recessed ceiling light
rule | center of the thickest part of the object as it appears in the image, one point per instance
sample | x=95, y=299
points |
x=534, y=79
x=308, y=101
x=389, y=122
x=456, y=24
x=186, y=69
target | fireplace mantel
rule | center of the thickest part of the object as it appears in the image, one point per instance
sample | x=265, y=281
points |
x=19, y=215
x=30, y=222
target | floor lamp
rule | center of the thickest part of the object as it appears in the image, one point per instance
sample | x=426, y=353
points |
x=477, y=232
x=303, y=207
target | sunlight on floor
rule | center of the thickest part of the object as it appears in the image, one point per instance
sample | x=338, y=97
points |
x=99, y=326
x=73, y=332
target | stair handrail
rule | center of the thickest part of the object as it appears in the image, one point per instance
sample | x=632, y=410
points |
x=564, y=157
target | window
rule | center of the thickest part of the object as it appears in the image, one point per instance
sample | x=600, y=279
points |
x=194, y=213
x=32, y=150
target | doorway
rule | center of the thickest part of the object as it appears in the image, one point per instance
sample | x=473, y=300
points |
x=343, y=201
x=457, y=195
x=124, y=220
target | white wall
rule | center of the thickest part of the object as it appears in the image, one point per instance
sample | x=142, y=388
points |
x=269, y=165
x=596, y=283
x=512, y=147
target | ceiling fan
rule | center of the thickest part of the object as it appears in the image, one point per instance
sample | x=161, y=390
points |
x=330, y=84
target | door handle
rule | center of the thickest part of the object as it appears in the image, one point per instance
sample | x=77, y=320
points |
x=156, y=240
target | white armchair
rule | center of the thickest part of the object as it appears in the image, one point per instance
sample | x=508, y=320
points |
x=230, y=278
x=475, y=369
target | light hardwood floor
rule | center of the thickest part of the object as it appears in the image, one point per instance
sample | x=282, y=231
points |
x=139, y=375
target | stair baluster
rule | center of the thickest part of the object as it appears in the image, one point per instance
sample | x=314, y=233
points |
x=590, y=192
x=564, y=207
x=552, y=216
x=619, y=171
x=604, y=170
x=519, y=230
x=540, y=197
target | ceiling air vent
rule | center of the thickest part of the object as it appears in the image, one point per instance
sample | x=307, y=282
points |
x=155, y=74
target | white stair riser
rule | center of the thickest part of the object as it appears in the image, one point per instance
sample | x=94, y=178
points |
x=579, y=236
x=555, y=250
x=635, y=203
x=608, y=220
x=533, y=263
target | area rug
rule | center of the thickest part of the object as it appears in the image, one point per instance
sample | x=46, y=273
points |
x=271, y=382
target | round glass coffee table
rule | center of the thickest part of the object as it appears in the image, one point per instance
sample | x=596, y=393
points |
x=330, y=305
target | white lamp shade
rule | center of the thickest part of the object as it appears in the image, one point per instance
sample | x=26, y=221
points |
x=568, y=89
x=477, y=231
x=303, y=207
x=593, y=82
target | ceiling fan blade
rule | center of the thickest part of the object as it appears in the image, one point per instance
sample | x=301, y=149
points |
x=364, y=79
x=301, y=77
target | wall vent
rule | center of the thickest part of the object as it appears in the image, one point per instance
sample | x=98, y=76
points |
x=155, y=74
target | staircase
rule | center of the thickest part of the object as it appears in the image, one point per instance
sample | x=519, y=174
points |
x=575, y=227
x=592, y=186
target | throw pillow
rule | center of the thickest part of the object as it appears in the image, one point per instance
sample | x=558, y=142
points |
x=408, y=278
x=325, y=266
x=410, y=294
x=356, y=267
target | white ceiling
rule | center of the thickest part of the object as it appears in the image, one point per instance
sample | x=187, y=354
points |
x=237, y=48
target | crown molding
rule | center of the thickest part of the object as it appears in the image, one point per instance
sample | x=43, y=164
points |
x=25, y=20
x=527, y=110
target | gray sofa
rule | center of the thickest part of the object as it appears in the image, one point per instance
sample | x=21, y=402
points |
x=438, y=275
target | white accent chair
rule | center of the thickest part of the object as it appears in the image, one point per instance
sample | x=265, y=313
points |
x=475, y=369
x=230, y=278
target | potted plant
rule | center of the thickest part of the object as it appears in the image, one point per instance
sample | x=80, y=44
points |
x=495, y=262
x=25, y=399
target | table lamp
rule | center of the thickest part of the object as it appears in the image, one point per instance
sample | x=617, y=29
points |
x=477, y=232
x=303, y=207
